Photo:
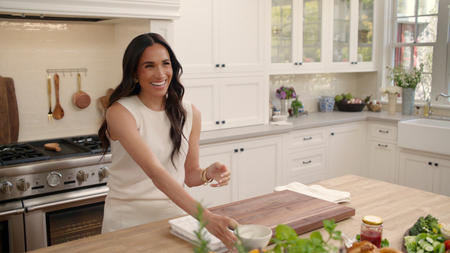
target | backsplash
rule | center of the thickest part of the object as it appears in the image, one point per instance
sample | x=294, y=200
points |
x=310, y=87
x=30, y=48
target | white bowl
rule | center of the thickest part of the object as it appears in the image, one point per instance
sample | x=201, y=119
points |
x=254, y=236
x=445, y=232
x=279, y=117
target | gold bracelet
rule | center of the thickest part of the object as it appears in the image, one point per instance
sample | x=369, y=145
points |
x=204, y=178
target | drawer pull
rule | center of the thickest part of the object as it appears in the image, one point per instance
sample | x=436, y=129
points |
x=236, y=150
x=305, y=139
x=307, y=162
x=386, y=132
x=385, y=146
x=430, y=163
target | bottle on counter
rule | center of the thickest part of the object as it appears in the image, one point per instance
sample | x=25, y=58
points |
x=372, y=229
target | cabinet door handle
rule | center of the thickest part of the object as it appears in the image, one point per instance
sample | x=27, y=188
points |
x=296, y=63
x=385, y=146
x=217, y=122
x=300, y=63
x=236, y=150
x=242, y=149
x=436, y=164
x=332, y=133
x=307, y=162
x=386, y=132
x=223, y=65
x=430, y=163
x=217, y=65
x=305, y=139
x=356, y=62
x=223, y=121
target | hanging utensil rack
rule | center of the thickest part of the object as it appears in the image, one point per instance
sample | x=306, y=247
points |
x=64, y=71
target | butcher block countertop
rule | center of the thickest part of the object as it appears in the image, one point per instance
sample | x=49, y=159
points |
x=397, y=205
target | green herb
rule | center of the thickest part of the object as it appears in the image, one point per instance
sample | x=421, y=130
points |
x=427, y=224
x=358, y=237
x=296, y=103
x=384, y=243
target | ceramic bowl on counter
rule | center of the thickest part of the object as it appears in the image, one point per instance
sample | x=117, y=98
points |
x=277, y=118
x=254, y=236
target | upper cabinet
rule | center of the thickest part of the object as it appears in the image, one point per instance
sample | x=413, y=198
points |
x=297, y=35
x=216, y=36
x=352, y=42
x=151, y=9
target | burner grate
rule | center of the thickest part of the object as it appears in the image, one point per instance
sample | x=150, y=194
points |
x=91, y=141
x=20, y=153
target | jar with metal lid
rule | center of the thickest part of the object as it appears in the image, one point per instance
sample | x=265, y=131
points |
x=372, y=229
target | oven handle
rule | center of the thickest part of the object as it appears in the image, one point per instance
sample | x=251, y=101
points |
x=62, y=202
x=12, y=212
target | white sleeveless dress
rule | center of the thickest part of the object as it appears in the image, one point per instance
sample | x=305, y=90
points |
x=133, y=199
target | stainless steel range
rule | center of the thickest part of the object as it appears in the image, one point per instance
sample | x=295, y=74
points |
x=49, y=197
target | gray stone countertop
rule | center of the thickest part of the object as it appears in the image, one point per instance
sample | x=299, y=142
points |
x=315, y=119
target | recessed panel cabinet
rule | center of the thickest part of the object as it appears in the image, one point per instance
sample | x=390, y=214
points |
x=227, y=102
x=255, y=165
x=216, y=36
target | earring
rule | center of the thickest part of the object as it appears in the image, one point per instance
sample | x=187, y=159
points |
x=136, y=80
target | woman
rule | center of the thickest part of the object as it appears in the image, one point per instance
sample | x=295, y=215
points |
x=154, y=137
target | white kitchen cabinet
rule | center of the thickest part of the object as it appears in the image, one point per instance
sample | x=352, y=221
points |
x=382, y=151
x=216, y=36
x=149, y=9
x=255, y=166
x=424, y=172
x=346, y=149
x=298, y=31
x=353, y=37
x=227, y=102
x=306, y=165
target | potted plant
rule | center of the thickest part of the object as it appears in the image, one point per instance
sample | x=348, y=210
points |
x=408, y=81
x=285, y=94
x=296, y=105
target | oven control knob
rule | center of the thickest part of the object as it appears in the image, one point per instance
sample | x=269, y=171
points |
x=6, y=187
x=82, y=175
x=23, y=185
x=103, y=172
x=53, y=179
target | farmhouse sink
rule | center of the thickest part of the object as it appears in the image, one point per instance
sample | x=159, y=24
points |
x=430, y=135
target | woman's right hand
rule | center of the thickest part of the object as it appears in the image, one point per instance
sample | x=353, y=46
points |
x=218, y=226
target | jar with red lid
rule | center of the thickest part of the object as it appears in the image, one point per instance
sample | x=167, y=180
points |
x=372, y=229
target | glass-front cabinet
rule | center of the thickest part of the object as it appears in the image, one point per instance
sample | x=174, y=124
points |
x=297, y=35
x=352, y=32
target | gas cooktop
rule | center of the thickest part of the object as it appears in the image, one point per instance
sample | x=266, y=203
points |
x=16, y=153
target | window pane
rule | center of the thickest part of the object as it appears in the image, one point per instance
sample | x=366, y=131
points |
x=427, y=7
x=281, y=31
x=402, y=57
x=424, y=55
x=405, y=8
x=341, y=30
x=312, y=30
x=365, y=30
x=423, y=89
x=427, y=29
x=405, y=30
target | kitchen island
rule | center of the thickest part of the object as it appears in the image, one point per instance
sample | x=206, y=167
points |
x=397, y=205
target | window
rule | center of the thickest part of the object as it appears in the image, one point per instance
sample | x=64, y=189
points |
x=420, y=35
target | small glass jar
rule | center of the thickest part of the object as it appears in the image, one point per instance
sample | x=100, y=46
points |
x=372, y=229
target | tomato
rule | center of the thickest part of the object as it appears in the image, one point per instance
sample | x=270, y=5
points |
x=447, y=245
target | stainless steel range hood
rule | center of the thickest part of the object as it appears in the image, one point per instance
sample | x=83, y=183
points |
x=90, y=10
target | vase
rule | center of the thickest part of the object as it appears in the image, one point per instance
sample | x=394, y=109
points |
x=408, y=95
x=392, y=103
x=284, y=106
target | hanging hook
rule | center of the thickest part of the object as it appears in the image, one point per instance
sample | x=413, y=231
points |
x=85, y=73
x=70, y=72
x=64, y=74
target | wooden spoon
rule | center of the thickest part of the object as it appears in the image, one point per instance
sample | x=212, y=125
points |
x=52, y=146
x=58, y=112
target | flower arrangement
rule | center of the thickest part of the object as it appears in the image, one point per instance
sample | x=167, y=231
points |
x=285, y=93
x=405, y=78
x=390, y=90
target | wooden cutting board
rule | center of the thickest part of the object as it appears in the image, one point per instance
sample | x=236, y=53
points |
x=9, y=114
x=301, y=212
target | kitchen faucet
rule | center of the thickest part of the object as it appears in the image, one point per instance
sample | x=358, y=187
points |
x=442, y=94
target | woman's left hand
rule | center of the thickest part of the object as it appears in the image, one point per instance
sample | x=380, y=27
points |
x=220, y=173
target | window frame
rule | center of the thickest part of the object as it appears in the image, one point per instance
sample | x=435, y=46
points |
x=440, y=75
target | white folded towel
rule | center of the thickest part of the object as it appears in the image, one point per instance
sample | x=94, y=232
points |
x=317, y=191
x=281, y=123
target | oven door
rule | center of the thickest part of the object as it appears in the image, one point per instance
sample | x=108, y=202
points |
x=11, y=227
x=64, y=217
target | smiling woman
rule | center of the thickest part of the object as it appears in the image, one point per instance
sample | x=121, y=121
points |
x=154, y=137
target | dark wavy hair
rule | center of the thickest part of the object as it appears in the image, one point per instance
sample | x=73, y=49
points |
x=127, y=87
